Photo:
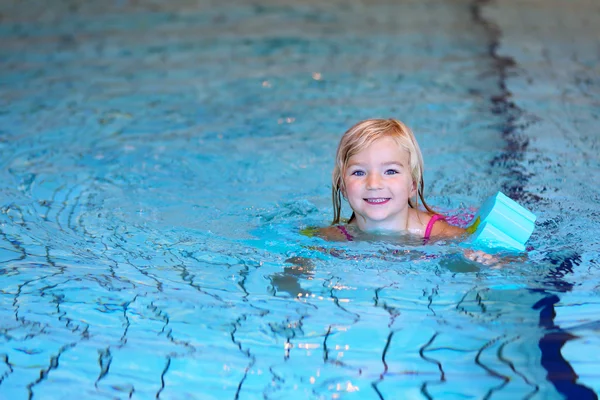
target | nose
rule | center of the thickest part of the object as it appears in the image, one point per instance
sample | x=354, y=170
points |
x=374, y=182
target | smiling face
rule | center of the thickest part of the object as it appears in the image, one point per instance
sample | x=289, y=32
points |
x=378, y=185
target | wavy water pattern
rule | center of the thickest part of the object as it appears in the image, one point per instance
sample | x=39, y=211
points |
x=159, y=159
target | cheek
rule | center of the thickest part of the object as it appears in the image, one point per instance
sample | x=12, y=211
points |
x=351, y=186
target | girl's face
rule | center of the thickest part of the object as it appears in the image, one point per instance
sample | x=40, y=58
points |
x=378, y=184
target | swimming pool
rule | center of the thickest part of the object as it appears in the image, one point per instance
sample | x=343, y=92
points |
x=159, y=159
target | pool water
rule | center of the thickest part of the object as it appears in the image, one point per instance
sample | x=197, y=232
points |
x=159, y=159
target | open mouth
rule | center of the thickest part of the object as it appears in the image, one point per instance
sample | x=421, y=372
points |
x=377, y=200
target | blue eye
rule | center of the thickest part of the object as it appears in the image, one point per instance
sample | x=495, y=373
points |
x=391, y=172
x=358, y=173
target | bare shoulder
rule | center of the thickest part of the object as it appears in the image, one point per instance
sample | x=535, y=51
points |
x=443, y=229
x=329, y=233
x=332, y=233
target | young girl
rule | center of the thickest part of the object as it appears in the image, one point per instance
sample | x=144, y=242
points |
x=379, y=171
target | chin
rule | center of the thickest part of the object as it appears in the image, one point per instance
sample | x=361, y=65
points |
x=377, y=223
x=377, y=218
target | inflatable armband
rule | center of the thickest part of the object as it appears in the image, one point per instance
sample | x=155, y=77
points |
x=309, y=232
x=502, y=222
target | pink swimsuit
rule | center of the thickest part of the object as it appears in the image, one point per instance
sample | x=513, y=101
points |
x=342, y=229
x=432, y=221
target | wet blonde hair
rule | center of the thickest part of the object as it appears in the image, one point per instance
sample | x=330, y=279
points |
x=361, y=136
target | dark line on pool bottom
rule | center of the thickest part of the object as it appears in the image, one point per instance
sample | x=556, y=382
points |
x=162, y=377
x=505, y=379
x=511, y=365
x=516, y=144
x=104, y=361
x=422, y=350
x=5, y=360
x=385, y=366
x=247, y=353
x=325, y=349
x=45, y=372
x=385, y=350
x=560, y=373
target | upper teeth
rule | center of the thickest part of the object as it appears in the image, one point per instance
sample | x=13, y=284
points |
x=376, y=200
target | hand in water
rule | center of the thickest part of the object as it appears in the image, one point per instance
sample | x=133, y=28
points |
x=484, y=258
x=494, y=261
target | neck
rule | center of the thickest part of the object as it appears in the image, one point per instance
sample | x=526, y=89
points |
x=398, y=224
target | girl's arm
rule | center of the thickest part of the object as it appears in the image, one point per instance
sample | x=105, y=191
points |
x=329, y=233
x=442, y=229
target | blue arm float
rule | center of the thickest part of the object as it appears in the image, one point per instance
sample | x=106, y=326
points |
x=502, y=222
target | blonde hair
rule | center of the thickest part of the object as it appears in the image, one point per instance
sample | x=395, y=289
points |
x=361, y=136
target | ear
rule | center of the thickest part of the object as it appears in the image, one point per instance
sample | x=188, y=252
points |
x=343, y=189
x=413, y=189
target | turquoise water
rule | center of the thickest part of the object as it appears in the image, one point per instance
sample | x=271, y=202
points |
x=158, y=159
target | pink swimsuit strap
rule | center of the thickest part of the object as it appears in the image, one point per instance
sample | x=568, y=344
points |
x=342, y=229
x=432, y=221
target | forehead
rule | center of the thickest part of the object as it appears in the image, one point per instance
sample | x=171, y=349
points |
x=385, y=149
